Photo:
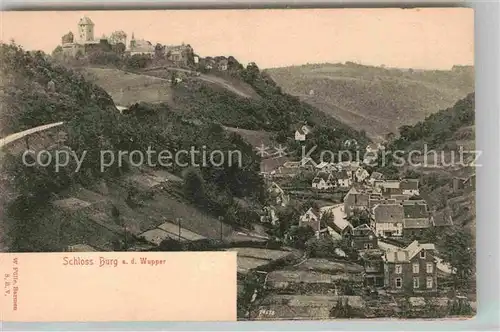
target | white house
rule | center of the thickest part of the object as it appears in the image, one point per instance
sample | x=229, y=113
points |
x=301, y=133
x=387, y=184
x=323, y=180
x=311, y=218
x=410, y=187
x=343, y=179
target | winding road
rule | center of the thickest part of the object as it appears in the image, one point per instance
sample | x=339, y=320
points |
x=14, y=137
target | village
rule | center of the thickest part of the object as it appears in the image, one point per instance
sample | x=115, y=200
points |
x=369, y=240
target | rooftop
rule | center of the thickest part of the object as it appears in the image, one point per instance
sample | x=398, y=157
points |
x=85, y=21
x=322, y=175
x=415, y=210
x=376, y=176
x=156, y=236
x=416, y=223
x=406, y=254
x=388, y=213
x=409, y=184
x=185, y=234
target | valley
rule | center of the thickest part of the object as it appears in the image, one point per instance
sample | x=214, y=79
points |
x=375, y=99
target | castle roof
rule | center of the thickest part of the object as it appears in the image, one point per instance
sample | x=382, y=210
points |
x=85, y=21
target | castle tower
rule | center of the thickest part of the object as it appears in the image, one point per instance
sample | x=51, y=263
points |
x=86, y=29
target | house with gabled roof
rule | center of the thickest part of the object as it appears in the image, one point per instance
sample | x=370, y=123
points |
x=412, y=269
x=388, y=220
x=387, y=184
x=355, y=199
x=409, y=187
x=442, y=218
x=376, y=199
x=416, y=218
x=375, y=176
x=312, y=218
x=343, y=179
x=363, y=238
x=373, y=264
x=302, y=132
x=277, y=195
x=285, y=172
x=400, y=198
x=460, y=183
x=323, y=181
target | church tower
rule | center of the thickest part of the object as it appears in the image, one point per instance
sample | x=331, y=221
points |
x=86, y=30
x=132, y=41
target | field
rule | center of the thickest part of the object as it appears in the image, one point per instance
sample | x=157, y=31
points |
x=253, y=137
x=324, y=265
x=253, y=258
x=127, y=88
x=282, y=278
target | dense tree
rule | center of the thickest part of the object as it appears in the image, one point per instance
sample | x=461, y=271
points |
x=342, y=309
x=58, y=52
x=359, y=217
x=138, y=61
x=118, y=36
x=300, y=235
x=458, y=250
x=194, y=186
x=160, y=51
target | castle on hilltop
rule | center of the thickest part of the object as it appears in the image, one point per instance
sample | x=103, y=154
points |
x=86, y=42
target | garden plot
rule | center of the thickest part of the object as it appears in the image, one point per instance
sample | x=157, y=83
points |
x=277, y=307
x=253, y=258
x=327, y=266
x=284, y=278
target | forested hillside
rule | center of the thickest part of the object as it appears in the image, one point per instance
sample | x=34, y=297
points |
x=377, y=100
x=36, y=91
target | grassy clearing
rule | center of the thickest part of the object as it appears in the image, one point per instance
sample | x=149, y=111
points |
x=128, y=88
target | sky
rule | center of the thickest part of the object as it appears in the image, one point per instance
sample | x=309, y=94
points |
x=431, y=38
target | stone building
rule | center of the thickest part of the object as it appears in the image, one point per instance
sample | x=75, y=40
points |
x=85, y=42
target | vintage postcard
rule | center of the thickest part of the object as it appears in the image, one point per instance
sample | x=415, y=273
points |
x=295, y=164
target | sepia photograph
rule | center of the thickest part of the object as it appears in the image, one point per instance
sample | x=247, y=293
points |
x=333, y=150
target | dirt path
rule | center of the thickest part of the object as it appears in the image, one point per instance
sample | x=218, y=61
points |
x=14, y=137
x=210, y=79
